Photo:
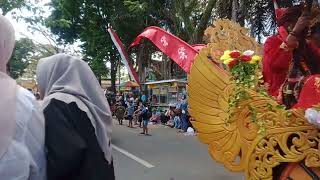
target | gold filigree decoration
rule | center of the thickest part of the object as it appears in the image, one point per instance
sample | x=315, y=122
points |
x=236, y=142
x=315, y=19
x=227, y=35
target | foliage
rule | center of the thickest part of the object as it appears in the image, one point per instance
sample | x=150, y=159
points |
x=257, y=14
x=73, y=20
x=86, y=21
x=244, y=68
x=186, y=19
x=40, y=51
x=9, y=5
x=19, y=61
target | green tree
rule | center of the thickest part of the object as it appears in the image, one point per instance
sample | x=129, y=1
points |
x=73, y=20
x=19, y=61
x=259, y=15
x=40, y=51
x=187, y=19
x=9, y=5
x=86, y=21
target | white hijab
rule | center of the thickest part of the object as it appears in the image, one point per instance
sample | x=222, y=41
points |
x=69, y=79
x=8, y=87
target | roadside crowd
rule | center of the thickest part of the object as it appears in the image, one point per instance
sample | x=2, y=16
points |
x=140, y=112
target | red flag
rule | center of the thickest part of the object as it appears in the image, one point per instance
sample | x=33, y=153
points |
x=178, y=50
x=124, y=56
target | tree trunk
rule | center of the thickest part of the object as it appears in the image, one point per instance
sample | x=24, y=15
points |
x=170, y=69
x=198, y=38
x=234, y=12
x=100, y=79
x=164, y=67
x=237, y=12
x=114, y=67
x=140, y=63
x=241, y=13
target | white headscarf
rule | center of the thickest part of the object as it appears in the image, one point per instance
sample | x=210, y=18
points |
x=69, y=79
x=8, y=87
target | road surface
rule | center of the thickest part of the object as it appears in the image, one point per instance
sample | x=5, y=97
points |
x=166, y=155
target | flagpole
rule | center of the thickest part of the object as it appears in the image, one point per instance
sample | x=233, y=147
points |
x=119, y=74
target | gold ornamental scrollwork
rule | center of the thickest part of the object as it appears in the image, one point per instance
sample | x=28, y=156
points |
x=236, y=143
x=301, y=144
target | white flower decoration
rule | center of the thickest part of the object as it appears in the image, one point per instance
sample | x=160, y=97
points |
x=248, y=53
x=313, y=116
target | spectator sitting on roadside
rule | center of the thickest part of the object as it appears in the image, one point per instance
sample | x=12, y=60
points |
x=176, y=119
x=170, y=115
x=155, y=118
x=164, y=118
x=177, y=122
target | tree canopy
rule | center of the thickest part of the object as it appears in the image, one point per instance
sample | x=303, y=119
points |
x=9, y=5
x=86, y=21
x=19, y=61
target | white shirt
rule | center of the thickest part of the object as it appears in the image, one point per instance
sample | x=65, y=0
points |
x=25, y=157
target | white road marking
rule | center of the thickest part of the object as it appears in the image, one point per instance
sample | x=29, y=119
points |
x=139, y=160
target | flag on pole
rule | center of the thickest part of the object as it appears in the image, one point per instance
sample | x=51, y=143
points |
x=124, y=55
x=178, y=50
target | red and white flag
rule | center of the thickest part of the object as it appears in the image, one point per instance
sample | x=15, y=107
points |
x=178, y=50
x=124, y=55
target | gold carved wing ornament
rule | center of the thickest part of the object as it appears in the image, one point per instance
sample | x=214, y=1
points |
x=233, y=138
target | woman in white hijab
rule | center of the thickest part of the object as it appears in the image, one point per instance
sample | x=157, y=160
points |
x=22, y=154
x=78, y=120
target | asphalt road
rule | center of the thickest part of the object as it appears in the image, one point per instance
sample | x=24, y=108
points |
x=166, y=155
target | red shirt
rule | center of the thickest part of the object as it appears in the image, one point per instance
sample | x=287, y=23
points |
x=276, y=62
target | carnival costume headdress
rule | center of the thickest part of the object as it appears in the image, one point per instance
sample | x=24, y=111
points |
x=279, y=11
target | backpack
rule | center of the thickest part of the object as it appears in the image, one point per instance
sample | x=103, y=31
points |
x=147, y=115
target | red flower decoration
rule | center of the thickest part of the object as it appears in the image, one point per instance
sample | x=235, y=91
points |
x=235, y=54
x=232, y=63
x=245, y=58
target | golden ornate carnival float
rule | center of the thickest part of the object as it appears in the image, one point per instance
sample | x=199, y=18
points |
x=245, y=129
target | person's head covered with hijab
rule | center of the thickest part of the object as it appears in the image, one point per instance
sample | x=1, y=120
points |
x=7, y=42
x=69, y=79
x=8, y=86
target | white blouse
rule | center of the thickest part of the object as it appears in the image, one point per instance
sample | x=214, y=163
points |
x=25, y=157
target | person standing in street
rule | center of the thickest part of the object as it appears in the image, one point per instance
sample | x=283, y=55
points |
x=138, y=115
x=130, y=111
x=145, y=114
x=120, y=112
x=78, y=120
x=143, y=98
x=184, y=114
x=22, y=131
